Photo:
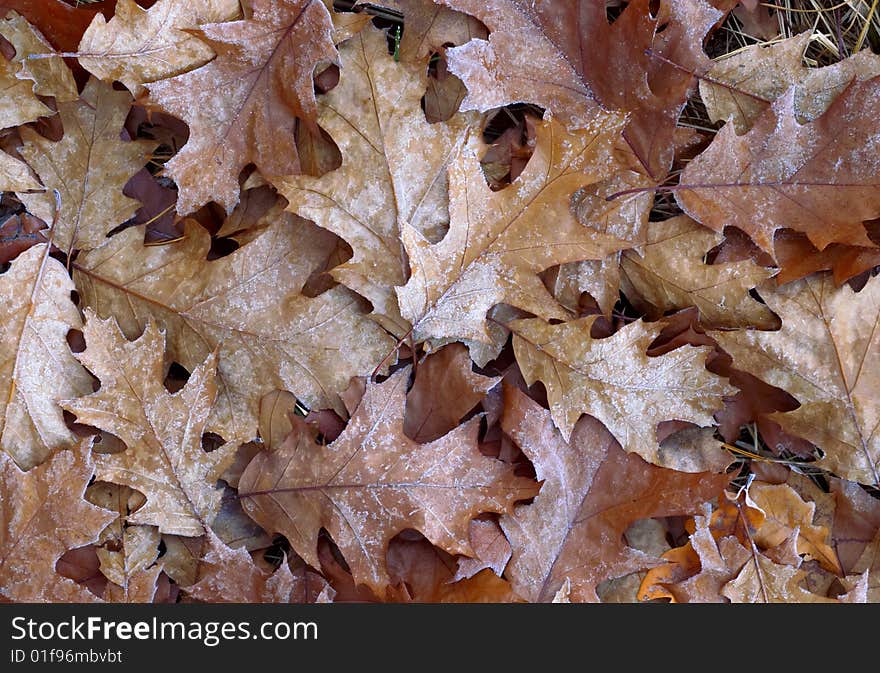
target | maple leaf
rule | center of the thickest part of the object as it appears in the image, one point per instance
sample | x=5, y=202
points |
x=138, y=46
x=162, y=432
x=444, y=391
x=88, y=167
x=825, y=355
x=310, y=346
x=670, y=274
x=43, y=515
x=15, y=176
x=592, y=491
x=263, y=68
x=740, y=87
x=373, y=482
x=498, y=242
x=50, y=76
x=560, y=70
x=615, y=381
x=819, y=178
x=35, y=360
x=231, y=576
x=393, y=172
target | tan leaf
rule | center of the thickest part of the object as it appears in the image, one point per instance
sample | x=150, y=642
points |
x=15, y=175
x=346, y=24
x=430, y=28
x=615, y=381
x=767, y=71
x=869, y=563
x=787, y=514
x=374, y=482
x=138, y=46
x=248, y=305
x=89, y=167
x=231, y=576
x=670, y=275
x=44, y=515
x=132, y=569
x=275, y=424
x=36, y=365
x=491, y=550
x=444, y=391
x=50, y=76
x=264, y=67
x=18, y=105
x=819, y=178
x=498, y=242
x=572, y=534
x=826, y=355
x=164, y=458
x=393, y=173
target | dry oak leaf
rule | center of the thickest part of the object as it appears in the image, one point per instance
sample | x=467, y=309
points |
x=231, y=576
x=248, y=305
x=18, y=104
x=592, y=491
x=138, y=46
x=18, y=233
x=393, y=170
x=242, y=106
x=498, y=242
x=763, y=581
x=491, y=548
x=60, y=22
x=820, y=178
x=88, y=167
x=374, y=482
x=50, y=76
x=827, y=356
x=757, y=75
x=869, y=563
x=574, y=59
x=444, y=391
x=615, y=381
x=164, y=458
x=670, y=274
x=36, y=365
x=430, y=28
x=42, y=515
x=15, y=175
x=132, y=570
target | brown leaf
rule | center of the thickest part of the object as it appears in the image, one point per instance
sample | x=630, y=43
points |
x=373, y=482
x=50, y=76
x=393, y=173
x=164, y=458
x=247, y=305
x=15, y=175
x=19, y=104
x=138, y=46
x=616, y=382
x=759, y=74
x=825, y=355
x=497, y=241
x=592, y=491
x=44, y=515
x=88, y=167
x=819, y=178
x=132, y=570
x=492, y=551
x=444, y=391
x=669, y=274
x=264, y=67
x=37, y=367
x=61, y=23
x=18, y=233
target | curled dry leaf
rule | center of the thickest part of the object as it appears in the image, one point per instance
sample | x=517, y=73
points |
x=819, y=177
x=393, y=173
x=44, y=515
x=497, y=242
x=264, y=66
x=88, y=167
x=36, y=364
x=825, y=355
x=138, y=46
x=615, y=381
x=374, y=482
x=592, y=491
x=757, y=75
x=164, y=458
x=669, y=274
x=248, y=306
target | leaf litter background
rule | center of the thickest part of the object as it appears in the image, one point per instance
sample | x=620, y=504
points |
x=440, y=301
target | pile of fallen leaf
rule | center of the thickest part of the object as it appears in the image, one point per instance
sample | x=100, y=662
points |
x=453, y=300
